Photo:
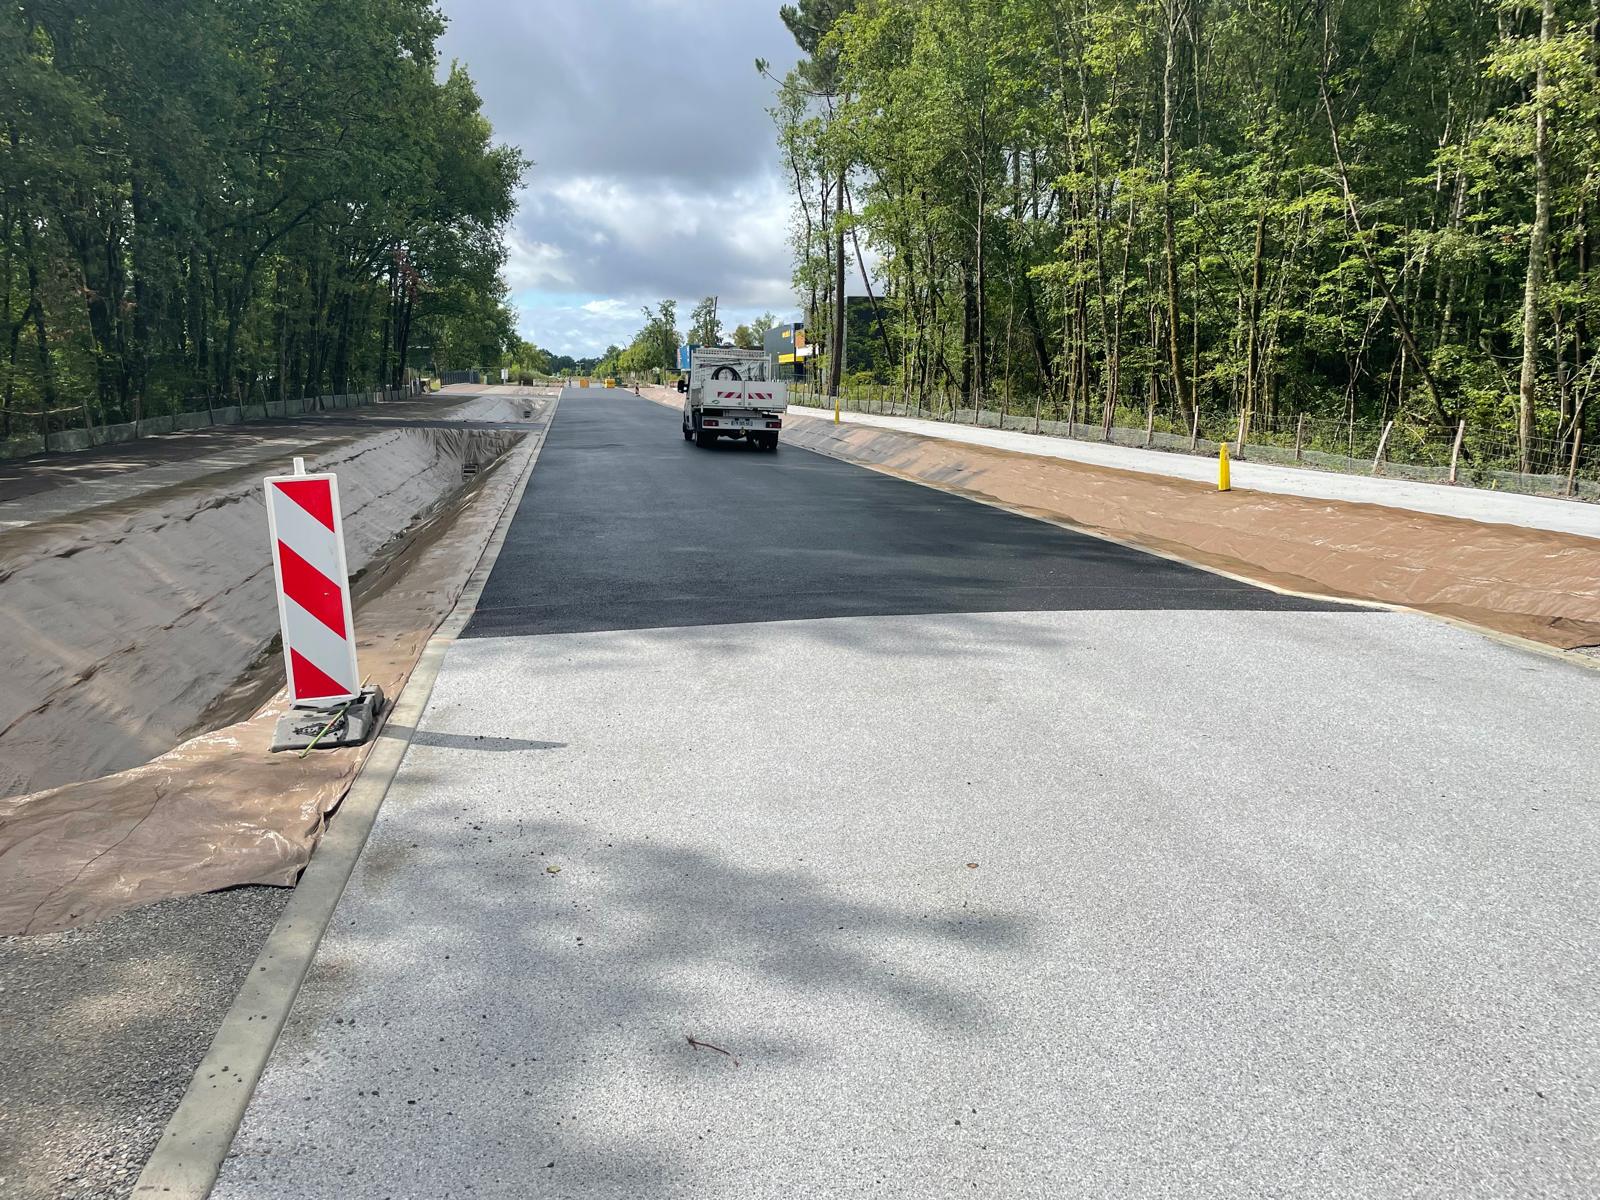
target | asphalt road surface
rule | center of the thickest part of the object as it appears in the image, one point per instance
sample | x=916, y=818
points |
x=782, y=829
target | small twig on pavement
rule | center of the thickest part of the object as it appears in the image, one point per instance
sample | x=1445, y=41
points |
x=699, y=1045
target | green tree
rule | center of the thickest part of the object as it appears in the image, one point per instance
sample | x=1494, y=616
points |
x=1120, y=210
x=705, y=327
x=192, y=203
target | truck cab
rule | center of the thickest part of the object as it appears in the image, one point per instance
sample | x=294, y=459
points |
x=685, y=361
x=731, y=393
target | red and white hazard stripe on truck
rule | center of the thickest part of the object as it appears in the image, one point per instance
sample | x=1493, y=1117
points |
x=319, y=636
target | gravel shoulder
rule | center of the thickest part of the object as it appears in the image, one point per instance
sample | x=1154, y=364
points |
x=105, y=1026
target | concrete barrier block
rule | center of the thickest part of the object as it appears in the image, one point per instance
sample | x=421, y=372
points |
x=21, y=447
x=70, y=439
x=114, y=435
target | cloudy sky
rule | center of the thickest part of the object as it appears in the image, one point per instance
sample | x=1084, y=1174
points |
x=656, y=169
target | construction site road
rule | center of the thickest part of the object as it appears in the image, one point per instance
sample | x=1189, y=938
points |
x=784, y=829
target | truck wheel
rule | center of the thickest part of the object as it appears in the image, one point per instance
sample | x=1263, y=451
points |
x=688, y=434
x=704, y=439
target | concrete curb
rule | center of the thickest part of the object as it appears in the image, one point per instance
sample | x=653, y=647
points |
x=189, y=1156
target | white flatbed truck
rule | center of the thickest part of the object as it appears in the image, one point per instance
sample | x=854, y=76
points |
x=732, y=394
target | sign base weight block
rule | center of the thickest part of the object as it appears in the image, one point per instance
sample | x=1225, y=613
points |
x=348, y=723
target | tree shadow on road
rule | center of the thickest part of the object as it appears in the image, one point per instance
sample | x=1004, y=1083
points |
x=501, y=994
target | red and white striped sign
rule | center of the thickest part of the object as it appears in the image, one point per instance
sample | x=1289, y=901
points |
x=319, y=633
x=744, y=395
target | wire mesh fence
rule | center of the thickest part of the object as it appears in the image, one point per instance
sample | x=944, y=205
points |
x=1397, y=449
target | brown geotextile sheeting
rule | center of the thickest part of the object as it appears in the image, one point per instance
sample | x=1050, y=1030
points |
x=1530, y=583
x=220, y=810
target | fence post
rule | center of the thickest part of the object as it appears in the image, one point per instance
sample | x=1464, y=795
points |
x=1455, y=450
x=1577, y=440
x=1150, y=424
x=1383, y=443
x=1244, y=429
x=1299, y=436
x=1194, y=431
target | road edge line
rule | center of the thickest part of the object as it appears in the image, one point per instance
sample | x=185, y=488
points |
x=189, y=1155
x=1570, y=657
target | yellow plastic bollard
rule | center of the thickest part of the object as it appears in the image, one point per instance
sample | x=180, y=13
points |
x=1224, y=483
x=836, y=410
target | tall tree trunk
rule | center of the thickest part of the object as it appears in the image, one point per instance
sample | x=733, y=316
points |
x=47, y=375
x=836, y=358
x=1041, y=352
x=1168, y=233
x=968, y=305
x=1537, y=238
x=139, y=344
x=981, y=379
x=1252, y=363
x=866, y=282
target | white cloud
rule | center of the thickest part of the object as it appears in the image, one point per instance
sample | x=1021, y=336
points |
x=657, y=165
x=534, y=264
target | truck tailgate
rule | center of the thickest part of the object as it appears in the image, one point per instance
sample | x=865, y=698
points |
x=767, y=395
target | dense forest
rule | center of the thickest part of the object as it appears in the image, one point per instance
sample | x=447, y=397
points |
x=1217, y=210
x=250, y=199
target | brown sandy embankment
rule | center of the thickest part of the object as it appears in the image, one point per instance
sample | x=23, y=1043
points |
x=219, y=810
x=1530, y=583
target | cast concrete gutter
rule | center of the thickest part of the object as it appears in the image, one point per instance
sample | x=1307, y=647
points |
x=190, y=1153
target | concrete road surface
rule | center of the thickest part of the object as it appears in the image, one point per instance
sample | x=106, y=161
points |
x=786, y=830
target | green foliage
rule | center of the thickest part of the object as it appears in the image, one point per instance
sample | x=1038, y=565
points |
x=1242, y=207
x=754, y=335
x=654, y=348
x=257, y=199
x=705, y=327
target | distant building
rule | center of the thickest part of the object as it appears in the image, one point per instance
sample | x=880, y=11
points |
x=789, y=350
